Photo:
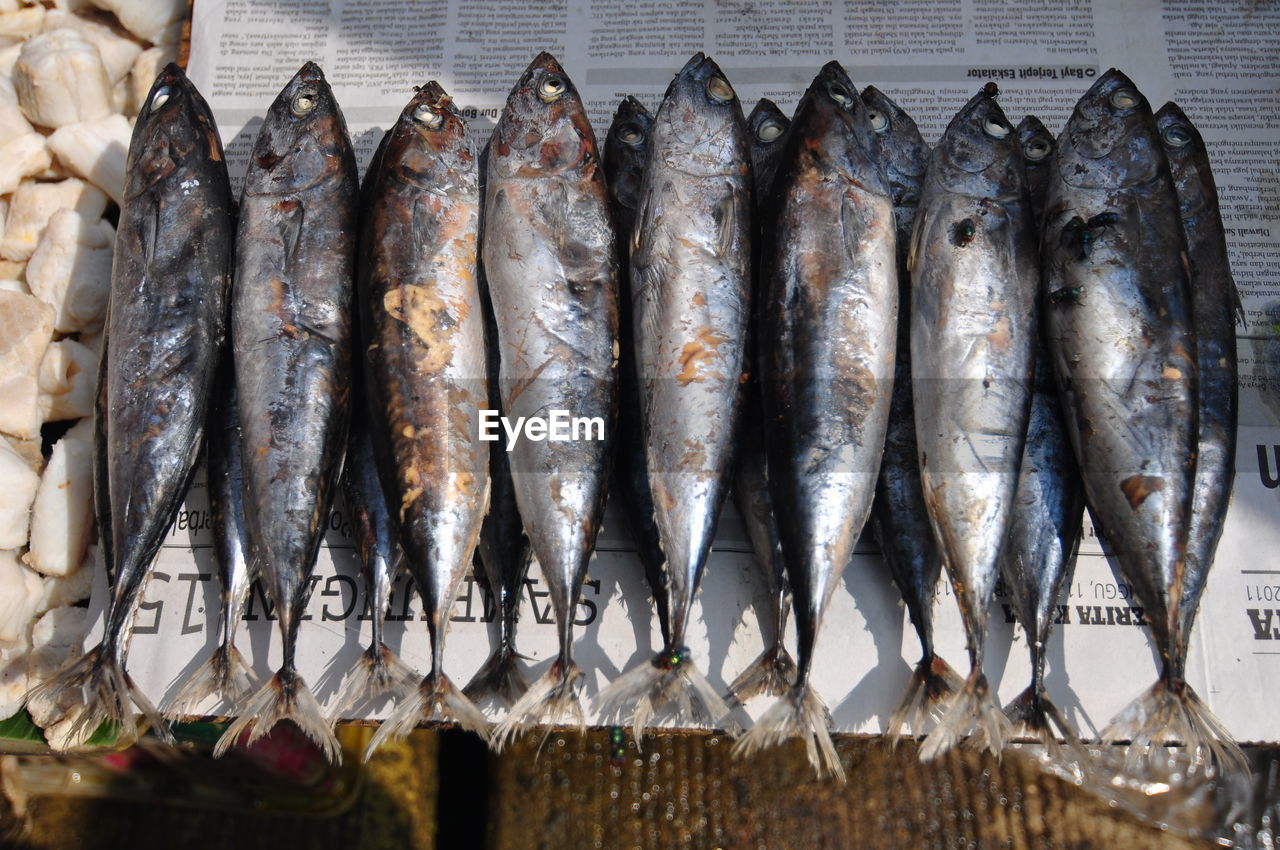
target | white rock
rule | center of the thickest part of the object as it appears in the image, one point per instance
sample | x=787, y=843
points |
x=143, y=76
x=71, y=270
x=156, y=21
x=68, y=380
x=9, y=57
x=21, y=591
x=26, y=325
x=56, y=638
x=60, y=79
x=62, y=516
x=28, y=450
x=33, y=204
x=23, y=23
x=15, y=680
x=12, y=122
x=21, y=157
x=19, y=484
x=71, y=588
x=95, y=151
x=9, y=270
x=117, y=50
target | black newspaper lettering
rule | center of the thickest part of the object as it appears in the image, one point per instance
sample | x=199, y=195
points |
x=588, y=616
x=465, y=598
x=541, y=615
x=195, y=583
x=1062, y=616
x=1263, y=620
x=312, y=581
x=259, y=602
x=1139, y=615
x=140, y=624
x=1083, y=612
x=1122, y=615
x=1268, y=472
x=331, y=591
x=1008, y=612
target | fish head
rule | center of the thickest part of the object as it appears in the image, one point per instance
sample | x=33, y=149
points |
x=1036, y=141
x=174, y=128
x=699, y=128
x=829, y=108
x=1188, y=160
x=429, y=146
x=626, y=150
x=897, y=143
x=767, y=127
x=303, y=141
x=1110, y=140
x=543, y=129
x=979, y=153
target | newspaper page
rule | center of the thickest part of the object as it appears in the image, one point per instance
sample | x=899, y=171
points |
x=1220, y=62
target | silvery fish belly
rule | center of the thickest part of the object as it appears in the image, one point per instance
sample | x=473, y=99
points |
x=164, y=331
x=425, y=362
x=974, y=274
x=552, y=271
x=291, y=328
x=690, y=291
x=828, y=329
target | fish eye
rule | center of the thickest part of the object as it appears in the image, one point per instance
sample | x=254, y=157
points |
x=1036, y=149
x=631, y=134
x=720, y=90
x=770, y=130
x=428, y=117
x=1176, y=136
x=552, y=87
x=879, y=121
x=995, y=128
x=303, y=102
x=1124, y=99
x=840, y=95
x=160, y=98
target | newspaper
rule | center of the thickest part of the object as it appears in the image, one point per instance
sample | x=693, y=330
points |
x=1220, y=62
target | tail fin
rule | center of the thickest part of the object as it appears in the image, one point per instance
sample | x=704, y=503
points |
x=285, y=697
x=1172, y=711
x=771, y=675
x=932, y=683
x=377, y=675
x=96, y=690
x=551, y=697
x=436, y=698
x=799, y=714
x=971, y=711
x=1033, y=713
x=224, y=675
x=669, y=677
x=500, y=676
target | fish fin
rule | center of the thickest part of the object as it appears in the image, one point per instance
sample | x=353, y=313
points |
x=1172, y=711
x=285, y=697
x=916, y=250
x=291, y=230
x=437, y=698
x=378, y=675
x=550, y=698
x=932, y=683
x=426, y=227
x=1034, y=714
x=726, y=219
x=799, y=714
x=771, y=674
x=500, y=676
x=971, y=710
x=669, y=677
x=225, y=675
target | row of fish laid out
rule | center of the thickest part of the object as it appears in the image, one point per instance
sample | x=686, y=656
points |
x=816, y=313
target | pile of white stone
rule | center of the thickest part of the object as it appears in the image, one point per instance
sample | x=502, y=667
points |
x=72, y=74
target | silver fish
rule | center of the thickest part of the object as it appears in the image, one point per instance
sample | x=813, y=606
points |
x=690, y=290
x=291, y=329
x=1037, y=147
x=549, y=257
x=827, y=340
x=974, y=275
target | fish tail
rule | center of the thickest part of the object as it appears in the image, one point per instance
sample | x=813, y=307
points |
x=771, y=674
x=225, y=675
x=1033, y=713
x=552, y=697
x=96, y=690
x=437, y=698
x=931, y=684
x=669, y=677
x=500, y=676
x=377, y=675
x=285, y=697
x=1171, y=711
x=799, y=714
x=971, y=711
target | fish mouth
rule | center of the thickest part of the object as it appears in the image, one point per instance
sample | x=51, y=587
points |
x=975, y=149
x=309, y=73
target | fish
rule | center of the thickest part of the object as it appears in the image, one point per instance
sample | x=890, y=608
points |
x=690, y=293
x=626, y=153
x=772, y=672
x=975, y=276
x=225, y=675
x=828, y=334
x=426, y=367
x=1037, y=147
x=291, y=325
x=899, y=517
x=549, y=256
x=1121, y=331
x=164, y=329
